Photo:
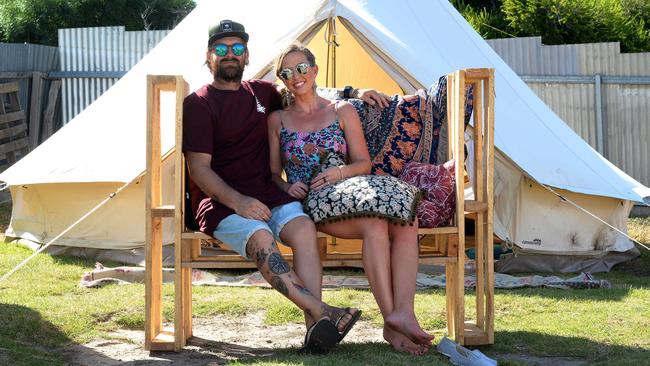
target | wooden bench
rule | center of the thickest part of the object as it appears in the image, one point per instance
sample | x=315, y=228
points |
x=443, y=245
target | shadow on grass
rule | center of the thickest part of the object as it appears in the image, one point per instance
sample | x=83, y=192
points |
x=84, y=262
x=200, y=351
x=535, y=346
x=28, y=339
x=371, y=353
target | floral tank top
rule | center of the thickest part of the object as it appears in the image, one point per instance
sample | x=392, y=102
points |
x=303, y=152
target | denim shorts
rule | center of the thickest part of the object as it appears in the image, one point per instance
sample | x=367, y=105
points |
x=235, y=231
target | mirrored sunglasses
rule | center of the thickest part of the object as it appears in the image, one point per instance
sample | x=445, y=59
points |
x=221, y=49
x=301, y=68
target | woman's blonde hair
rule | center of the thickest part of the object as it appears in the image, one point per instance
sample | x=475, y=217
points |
x=287, y=96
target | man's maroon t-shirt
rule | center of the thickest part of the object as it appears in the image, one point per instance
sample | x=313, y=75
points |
x=232, y=127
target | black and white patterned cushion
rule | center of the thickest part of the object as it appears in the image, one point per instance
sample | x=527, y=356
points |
x=381, y=196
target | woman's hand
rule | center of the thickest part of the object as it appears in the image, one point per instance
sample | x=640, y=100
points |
x=329, y=176
x=298, y=190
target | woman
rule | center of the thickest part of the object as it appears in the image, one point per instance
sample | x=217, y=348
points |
x=314, y=127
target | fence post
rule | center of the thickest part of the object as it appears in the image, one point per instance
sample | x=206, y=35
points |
x=599, y=115
x=35, y=109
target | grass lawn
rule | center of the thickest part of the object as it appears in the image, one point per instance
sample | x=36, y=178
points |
x=42, y=310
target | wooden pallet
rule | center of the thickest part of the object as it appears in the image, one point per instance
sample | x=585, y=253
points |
x=14, y=143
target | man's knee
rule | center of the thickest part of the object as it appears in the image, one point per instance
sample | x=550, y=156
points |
x=298, y=229
x=261, y=240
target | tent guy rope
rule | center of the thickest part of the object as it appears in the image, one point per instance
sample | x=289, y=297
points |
x=591, y=214
x=113, y=194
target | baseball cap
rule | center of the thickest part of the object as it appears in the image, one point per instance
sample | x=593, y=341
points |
x=226, y=28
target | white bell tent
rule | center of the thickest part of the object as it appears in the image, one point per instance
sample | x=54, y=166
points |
x=387, y=45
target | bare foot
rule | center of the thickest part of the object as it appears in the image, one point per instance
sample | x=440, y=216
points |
x=401, y=343
x=409, y=326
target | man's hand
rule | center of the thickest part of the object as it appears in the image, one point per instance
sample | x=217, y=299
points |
x=251, y=208
x=373, y=97
x=298, y=190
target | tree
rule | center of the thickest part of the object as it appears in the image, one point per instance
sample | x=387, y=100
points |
x=562, y=21
x=37, y=21
x=576, y=21
x=484, y=16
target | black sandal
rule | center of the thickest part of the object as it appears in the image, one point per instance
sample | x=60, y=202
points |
x=321, y=337
x=349, y=325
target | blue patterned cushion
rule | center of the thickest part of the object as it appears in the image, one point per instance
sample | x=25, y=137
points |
x=409, y=129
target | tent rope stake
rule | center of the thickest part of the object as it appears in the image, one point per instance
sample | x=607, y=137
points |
x=82, y=218
x=591, y=214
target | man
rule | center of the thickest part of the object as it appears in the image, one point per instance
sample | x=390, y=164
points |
x=233, y=198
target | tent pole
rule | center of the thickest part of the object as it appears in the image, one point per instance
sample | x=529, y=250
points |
x=331, y=53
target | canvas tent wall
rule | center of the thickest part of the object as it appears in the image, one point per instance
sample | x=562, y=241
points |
x=411, y=42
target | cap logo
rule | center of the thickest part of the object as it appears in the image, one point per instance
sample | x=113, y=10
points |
x=226, y=28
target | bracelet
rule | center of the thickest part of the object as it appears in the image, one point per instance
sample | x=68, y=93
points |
x=340, y=172
x=347, y=92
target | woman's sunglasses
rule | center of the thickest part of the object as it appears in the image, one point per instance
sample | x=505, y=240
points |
x=301, y=68
x=221, y=49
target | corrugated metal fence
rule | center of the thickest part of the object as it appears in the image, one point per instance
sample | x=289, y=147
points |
x=93, y=59
x=602, y=94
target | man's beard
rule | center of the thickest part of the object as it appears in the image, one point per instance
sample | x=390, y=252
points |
x=230, y=72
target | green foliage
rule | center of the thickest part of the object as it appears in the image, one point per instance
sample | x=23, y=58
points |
x=37, y=21
x=485, y=17
x=576, y=21
x=639, y=9
x=562, y=21
x=479, y=4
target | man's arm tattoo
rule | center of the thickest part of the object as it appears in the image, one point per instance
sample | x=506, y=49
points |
x=279, y=285
x=277, y=264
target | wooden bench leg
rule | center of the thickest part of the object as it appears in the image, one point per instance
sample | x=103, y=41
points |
x=179, y=315
x=188, y=248
x=322, y=248
x=450, y=293
x=187, y=302
x=155, y=337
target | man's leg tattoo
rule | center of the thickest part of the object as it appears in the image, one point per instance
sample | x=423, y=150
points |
x=277, y=264
x=260, y=257
x=303, y=290
x=279, y=285
x=334, y=314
